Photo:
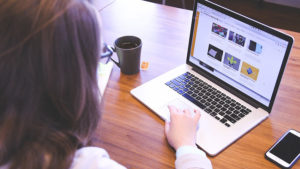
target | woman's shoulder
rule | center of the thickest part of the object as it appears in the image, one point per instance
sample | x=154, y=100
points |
x=93, y=158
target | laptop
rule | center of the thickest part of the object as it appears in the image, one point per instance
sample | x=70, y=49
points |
x=232, y=73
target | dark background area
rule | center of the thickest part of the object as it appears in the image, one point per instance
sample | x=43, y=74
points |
x=274, y=15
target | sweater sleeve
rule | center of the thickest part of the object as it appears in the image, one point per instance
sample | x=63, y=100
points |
x=93, y=158
x=189, y=157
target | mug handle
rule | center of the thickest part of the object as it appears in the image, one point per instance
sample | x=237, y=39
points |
x=112, y=49
x=109, y=50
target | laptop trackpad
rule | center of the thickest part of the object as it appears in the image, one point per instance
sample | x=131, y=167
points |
x=179, y=104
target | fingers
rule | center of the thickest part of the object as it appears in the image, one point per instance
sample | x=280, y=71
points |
x=167, y=127
x=172, y=109
x=197, y=115
x=188, y=113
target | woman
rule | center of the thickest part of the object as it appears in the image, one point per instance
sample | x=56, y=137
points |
x=49, y=98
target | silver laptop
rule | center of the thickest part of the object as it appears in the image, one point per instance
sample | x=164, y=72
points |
x=232, y=73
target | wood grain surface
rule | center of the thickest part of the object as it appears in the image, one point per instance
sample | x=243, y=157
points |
x=133, y=135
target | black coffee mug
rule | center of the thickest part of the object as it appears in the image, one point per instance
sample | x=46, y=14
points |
x=128, y=49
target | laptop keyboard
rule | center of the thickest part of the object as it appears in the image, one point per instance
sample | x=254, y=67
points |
x=217, y=104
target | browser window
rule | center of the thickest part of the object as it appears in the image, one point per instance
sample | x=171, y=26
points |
x=243, y=56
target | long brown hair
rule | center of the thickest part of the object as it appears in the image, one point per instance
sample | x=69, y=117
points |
x=49, y=98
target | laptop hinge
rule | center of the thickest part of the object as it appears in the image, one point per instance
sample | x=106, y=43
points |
x=225, y=86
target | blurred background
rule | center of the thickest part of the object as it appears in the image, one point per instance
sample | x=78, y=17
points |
x=284, y=14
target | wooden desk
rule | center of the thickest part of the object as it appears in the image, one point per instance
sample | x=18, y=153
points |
x=134, y=136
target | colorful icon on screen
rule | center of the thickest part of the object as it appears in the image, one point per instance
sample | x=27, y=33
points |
x=249, y=71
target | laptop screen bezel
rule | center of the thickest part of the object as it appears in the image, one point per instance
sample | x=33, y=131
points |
x=251, y=22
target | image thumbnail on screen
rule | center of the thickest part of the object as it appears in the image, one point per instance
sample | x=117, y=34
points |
x=232, y=61
x=249, y=71
x=237, y=38
x=215, y=52
x=255, y=47
x=219, y=30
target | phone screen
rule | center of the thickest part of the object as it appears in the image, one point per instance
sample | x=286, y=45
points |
x=288, y=148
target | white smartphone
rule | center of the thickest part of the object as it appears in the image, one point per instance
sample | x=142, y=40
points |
x=286, y=151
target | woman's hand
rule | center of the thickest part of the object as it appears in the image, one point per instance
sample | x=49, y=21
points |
x=181, y=130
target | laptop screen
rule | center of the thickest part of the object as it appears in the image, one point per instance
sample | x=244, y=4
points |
x=233, y=50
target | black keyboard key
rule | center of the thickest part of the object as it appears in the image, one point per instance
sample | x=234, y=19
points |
x=212, y=107
x=181, y=87
x=241, y=115
x=223, y=120
x=238, y=107
x=193, y=101
x=180, y=92
x=216, y=117
x=231, y=108
x=187, y=86
x=217, y=110
x=236, y=112
x=232, y=104
x=218, y=105
x=207, y=104
x=244, y=111
x=223, y=109
x=208, y=110
x=228, y=112
x=189, y=92
x=226, y=124
x=234, y=116
x=230, y=119
x=213, y=114
x=221, y=113
x=248, y=110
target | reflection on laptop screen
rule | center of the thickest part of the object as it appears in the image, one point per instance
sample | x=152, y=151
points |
x=243, y=56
